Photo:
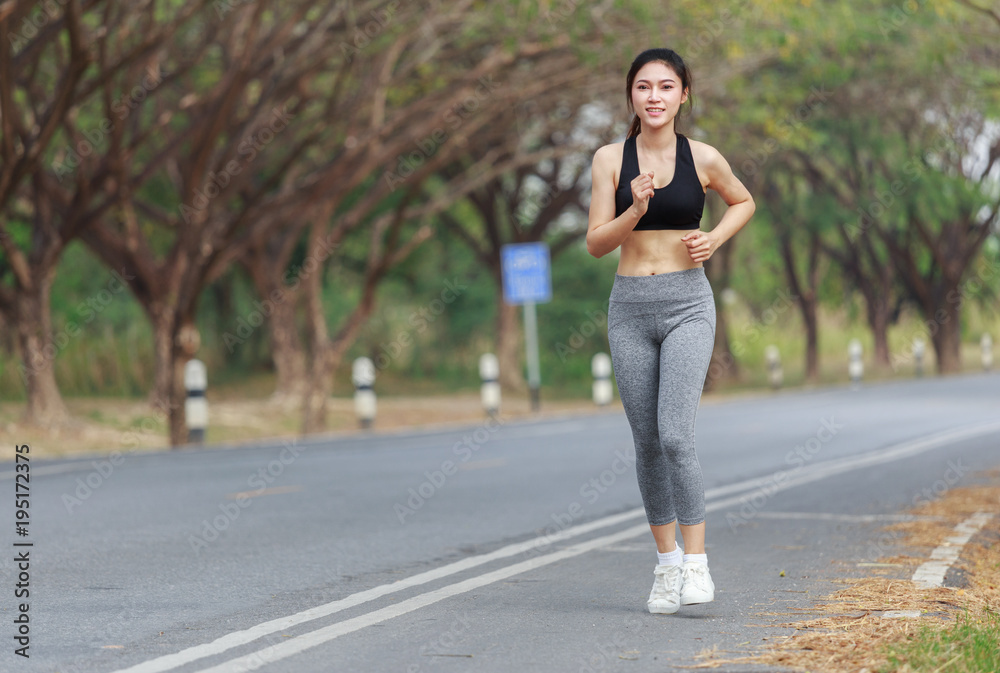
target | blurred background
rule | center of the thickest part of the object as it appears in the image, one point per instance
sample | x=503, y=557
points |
x=278, y=188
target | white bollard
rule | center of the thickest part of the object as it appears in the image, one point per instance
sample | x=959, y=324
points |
x=775, y=373
x=195, y=404
x=855, y=366
x=489, y=372
x=600, y=367
x=728, y=296
x=986, y=344
x=919, y=347
x=363, y=377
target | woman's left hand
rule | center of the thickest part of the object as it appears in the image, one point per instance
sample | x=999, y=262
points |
x=701, y=245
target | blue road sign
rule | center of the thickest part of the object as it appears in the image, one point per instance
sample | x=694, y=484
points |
x=526, y=276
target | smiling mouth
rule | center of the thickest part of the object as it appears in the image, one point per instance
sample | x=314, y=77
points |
x=655, y=109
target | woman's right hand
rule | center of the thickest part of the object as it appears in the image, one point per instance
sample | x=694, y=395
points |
x=642, y=189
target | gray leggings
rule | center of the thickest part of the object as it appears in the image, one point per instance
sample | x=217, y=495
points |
x=661, y=329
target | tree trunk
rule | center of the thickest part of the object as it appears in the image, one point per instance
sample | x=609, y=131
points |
x=875, y=282
x=168, y=394
x=162, y=320
x=38, y=352
x=878, y=321
x=317, y=389
x=509, y=346
x=946, y=334
x=329, y=353
x=384, y=252
x=176, y=418
x=325, y=353
x=936, y=291
x=806, y=291
x=723, y=366
x=287, y=352
x=266, y=264
x=808, y=304
x=318, y=383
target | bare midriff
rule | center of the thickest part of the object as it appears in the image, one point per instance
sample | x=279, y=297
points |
x=652, y=252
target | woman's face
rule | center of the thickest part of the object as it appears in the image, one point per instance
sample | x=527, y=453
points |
x=657, y=94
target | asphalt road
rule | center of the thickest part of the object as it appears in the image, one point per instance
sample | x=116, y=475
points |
x=502, y=546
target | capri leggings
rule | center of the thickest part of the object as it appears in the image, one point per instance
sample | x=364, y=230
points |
x=661, y=330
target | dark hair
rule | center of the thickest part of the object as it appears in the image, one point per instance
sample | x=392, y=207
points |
x=667, y=56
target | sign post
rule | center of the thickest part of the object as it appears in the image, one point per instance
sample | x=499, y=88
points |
x=527, y=280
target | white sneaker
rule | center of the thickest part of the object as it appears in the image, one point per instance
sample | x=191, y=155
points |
x=665, y=598
x=698, y=586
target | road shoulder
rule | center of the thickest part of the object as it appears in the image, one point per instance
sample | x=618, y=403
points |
x=871, y=623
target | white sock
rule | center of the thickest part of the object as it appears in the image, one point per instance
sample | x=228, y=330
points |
x=700, y=558
x=671, y=558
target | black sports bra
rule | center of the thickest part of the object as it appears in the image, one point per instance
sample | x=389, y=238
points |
x=678, y=205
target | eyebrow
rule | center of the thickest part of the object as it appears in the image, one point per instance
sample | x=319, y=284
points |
x=662, y=80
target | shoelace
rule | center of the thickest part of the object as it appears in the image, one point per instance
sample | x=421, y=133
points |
x=697, y=575
x=663, y=587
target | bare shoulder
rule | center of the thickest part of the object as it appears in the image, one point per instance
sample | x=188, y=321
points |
x=608, y=160
x=716, y=173
x=705, y=156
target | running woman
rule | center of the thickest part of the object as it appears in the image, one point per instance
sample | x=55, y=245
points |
x=648, y=195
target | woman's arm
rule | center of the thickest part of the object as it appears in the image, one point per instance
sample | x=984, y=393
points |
x=702, y=244
x=605, y=232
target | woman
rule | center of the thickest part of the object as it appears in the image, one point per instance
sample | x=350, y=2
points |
x=648, y=195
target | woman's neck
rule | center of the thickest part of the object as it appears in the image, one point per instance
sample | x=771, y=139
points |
x=658, y=140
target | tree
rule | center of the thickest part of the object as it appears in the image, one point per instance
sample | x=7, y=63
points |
x=840, y=172
x=210, y=180
x=798, y=241
x=521, y=206
x=267, y=261
x=51, y=193
x=908, y=152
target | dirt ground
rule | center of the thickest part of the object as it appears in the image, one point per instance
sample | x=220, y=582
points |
x=103, y=425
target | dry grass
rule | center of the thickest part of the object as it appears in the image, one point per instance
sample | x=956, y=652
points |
x=851, y=635
x=103, y=425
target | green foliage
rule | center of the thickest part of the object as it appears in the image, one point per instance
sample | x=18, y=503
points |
x=966, y=646
x=882, y=65
x=433, y=312
x=101, y=339
x=573, y=327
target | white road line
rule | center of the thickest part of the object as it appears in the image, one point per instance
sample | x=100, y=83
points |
x=805, y=475
x=309, y=640
x=907, y=449
x=49, y=469
x=931, y=573
x=900, y=614
x=851, y=518
x=237, y=638
x=514, y=432
x=499, y=432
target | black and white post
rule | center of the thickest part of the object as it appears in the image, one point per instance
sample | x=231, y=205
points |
x=489, y=372
x=600, y=367
x=775, y=373
x=195, y=404
x=363, y=376
x=855, y=365
x=918, y=356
